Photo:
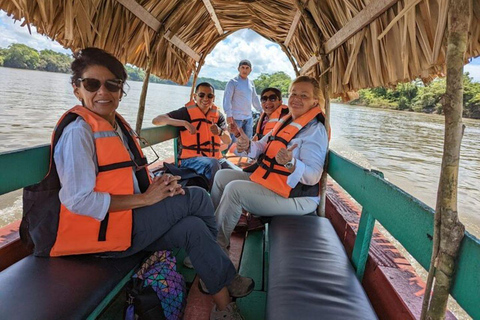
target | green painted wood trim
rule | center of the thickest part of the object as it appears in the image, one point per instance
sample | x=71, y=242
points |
x=362, y=243
x=391, y=206
x=466, y=285
x=159, y=134
x=18, y=170
x=253, y=306
x=411, y=222
x=21, y=168
x=175, y=150
x=105, y=302
x=251, y=264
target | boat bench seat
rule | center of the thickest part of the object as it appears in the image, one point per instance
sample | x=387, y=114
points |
x=310, y=275
x=61, y=288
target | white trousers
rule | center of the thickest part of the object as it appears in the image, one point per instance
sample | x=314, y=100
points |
x=232, y=190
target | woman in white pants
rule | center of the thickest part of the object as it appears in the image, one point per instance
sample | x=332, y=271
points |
x=285, y=179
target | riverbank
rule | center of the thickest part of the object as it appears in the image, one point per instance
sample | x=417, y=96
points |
x=419, y=97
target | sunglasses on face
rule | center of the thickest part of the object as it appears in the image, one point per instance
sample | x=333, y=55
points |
x=271, y=97
x=209, y=96
x=93, y=85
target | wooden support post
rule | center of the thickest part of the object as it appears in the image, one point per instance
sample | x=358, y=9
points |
x=448, y=230
x=194, y=82
x=324, y=84
x=289, y=56
x=143, y=97
x=362, y=243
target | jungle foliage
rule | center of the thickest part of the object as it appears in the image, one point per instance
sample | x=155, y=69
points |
x=279, y=80
x=22, y=56
x=138, y=74
x=418, y=97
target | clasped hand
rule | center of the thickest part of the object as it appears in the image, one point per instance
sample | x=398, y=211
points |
x=162, y=187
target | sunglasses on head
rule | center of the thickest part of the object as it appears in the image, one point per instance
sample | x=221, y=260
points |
x=209, y=96
x=93, y=85
x=271, y=97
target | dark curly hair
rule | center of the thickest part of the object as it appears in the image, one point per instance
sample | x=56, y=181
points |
x=96, y=57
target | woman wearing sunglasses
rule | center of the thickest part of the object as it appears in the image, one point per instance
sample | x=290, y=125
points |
x=289, y=165
x=273, y=110
x=202, y=132
x=106, y=201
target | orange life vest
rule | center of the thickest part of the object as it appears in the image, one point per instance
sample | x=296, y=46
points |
x=272, y=175
x=78, y=234
x=203, y=143
x=276, y=115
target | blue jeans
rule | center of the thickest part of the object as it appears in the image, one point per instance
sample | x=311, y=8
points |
x=203, y=165
x=247, y=127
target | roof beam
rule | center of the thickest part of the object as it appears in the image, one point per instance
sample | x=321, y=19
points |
x=181, y=45
x=361, y=20
x=213, y=15
x=293, y=27
x=310, y=63
x=141, y=13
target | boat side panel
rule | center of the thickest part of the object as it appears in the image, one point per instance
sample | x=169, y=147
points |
x=411, y=222
x=19, y=170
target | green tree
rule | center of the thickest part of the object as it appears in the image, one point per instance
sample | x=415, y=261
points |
x=429, y=98
x=279, y=80
x=3, y=53
x=21, y=56
x=54, y=61
x=471, y=98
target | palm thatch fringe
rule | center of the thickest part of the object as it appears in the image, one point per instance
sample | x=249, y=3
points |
x=405, y=42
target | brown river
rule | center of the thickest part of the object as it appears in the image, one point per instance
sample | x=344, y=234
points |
x=405, y=146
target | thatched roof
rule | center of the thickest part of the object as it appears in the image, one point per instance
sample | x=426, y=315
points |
x=178, y=34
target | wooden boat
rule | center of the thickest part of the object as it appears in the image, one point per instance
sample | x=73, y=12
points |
x=348, y=45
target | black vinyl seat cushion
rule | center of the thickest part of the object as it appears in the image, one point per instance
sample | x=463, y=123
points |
x=60, y=288
x=310, y=275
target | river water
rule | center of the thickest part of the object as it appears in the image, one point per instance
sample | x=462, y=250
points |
x=406, y=147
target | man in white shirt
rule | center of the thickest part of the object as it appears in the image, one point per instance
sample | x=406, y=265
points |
x=238, y=99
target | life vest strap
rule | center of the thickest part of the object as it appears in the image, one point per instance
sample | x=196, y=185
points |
x=201, y=149
x=275, y=138
x=269, y=164
x=119, y=165
x=102, y=234
x=200, y=120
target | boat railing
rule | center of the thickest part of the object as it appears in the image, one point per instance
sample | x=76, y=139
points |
x=407, y=219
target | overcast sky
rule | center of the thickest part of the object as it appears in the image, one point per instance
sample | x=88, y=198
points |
x=221, y=63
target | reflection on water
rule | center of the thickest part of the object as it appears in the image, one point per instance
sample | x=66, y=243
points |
x=407, y=147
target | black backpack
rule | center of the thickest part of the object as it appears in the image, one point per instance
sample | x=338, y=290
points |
x=189, y=176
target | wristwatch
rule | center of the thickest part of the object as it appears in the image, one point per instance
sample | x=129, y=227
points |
x=290, y=164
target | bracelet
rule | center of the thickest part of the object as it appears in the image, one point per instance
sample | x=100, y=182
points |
x=221, y=132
